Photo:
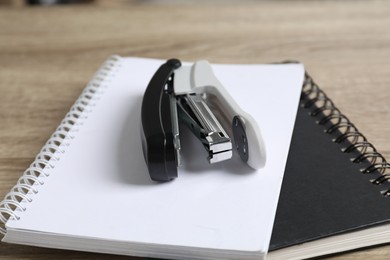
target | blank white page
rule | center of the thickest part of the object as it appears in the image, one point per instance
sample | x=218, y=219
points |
x=100, y=187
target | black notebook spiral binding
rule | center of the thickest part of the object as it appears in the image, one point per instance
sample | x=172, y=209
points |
x=335, y=182
x=345, y=134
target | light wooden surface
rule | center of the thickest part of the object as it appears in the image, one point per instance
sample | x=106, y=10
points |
x=47, y=55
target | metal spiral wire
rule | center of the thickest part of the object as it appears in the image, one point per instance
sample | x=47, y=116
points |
x=344, y=131
x=34, y=176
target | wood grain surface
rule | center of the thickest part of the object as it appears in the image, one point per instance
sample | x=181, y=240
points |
x=48, y=54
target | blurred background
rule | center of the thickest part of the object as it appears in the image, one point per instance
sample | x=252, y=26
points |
x=106, y=2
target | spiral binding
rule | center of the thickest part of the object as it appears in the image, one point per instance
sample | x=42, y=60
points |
x=34, y=176
x=345, y=133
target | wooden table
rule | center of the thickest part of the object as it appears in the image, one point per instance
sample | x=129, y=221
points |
x=48, y=54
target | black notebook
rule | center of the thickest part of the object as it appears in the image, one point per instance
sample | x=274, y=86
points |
x=335, y=194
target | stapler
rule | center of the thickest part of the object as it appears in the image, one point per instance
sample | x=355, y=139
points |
x=190, y=94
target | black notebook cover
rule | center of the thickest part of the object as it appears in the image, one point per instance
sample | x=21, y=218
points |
x=325, y=192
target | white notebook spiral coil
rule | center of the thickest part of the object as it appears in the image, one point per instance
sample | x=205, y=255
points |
x=34, y=176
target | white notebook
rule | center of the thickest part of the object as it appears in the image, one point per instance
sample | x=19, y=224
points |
x=89, y=187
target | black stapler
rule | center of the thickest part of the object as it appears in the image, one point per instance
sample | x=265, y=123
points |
x=186, y=94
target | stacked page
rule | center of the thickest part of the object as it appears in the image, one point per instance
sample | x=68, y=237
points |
x=94, y=192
